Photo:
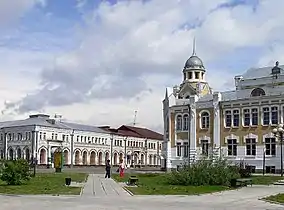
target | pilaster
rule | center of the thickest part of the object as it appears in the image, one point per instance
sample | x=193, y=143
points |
x=217, y=120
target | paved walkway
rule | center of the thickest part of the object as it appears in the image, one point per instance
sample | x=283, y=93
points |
x=105, y=194
x=98, y=186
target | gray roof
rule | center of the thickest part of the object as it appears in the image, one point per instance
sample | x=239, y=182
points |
x=254, y=73
x=229, y=95
x=44, y=120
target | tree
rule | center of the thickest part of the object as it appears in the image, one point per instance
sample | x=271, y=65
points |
x=15, y=172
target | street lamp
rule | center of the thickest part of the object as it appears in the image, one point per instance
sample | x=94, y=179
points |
x=278, y=132
x=263, y=162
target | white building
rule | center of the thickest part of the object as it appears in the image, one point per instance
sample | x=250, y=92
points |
x=82, y=145
x=236, y=124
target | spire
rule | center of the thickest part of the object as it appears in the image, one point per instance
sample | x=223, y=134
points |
x=193, y=49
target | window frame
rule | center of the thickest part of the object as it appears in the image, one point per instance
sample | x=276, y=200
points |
x=251, y=146
x=204, y=120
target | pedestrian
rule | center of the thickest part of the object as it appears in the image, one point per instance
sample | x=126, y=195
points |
x=107, y=169
x=121, y=168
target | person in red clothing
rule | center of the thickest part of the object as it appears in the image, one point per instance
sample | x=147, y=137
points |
x=121, y=168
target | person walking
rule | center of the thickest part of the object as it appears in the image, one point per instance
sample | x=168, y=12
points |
x=121, y=168
x=108, y=167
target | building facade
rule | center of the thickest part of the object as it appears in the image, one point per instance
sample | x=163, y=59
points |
x=39, y=136
x=237, y=124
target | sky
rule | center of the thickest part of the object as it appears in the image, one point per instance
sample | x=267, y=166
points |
x=97, y=62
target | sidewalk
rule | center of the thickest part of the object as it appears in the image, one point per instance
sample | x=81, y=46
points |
x=98, y=186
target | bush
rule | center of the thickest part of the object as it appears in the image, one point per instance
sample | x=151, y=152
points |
x=205, y=172
x=15, y=172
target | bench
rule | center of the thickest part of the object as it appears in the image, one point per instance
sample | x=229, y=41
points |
x=244, y=182
x=132, y=180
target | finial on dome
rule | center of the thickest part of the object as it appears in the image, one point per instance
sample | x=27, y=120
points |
x=193, y=48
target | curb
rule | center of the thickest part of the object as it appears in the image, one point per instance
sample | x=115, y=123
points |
x=128, y=191
x=272, y=202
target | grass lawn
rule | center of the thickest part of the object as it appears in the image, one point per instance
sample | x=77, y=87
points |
x=276, y=198
x=265, y=180
x=46, y=183
x=154, y=184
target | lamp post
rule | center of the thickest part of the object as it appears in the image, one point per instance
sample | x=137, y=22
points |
x=72, y=148
x=278, y=132
x=263, y=166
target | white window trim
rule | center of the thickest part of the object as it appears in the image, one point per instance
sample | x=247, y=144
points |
x=243, y=117
x=240, y=120
x=254, y=107
x=251, y=136
x=267, y=106
x=224, y=118
x=204, y=138
x=268, y=135
x=183, y=121
x=232, y=136
x=177, y=115
x=279, y=113
x=200, y=118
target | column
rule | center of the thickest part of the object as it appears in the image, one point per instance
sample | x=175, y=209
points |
x=192, y=127
x=217, y=120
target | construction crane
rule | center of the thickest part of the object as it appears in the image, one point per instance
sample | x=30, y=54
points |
x=135, y=116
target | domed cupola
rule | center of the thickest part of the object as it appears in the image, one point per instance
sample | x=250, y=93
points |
x=194, y=62
x=194, y=70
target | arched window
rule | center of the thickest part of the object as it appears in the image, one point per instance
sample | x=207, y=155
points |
x=185, y=122
x=257, y=92
x=179, y=123
x=205, y=120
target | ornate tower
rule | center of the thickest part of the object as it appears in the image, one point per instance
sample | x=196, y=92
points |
x=194, y=82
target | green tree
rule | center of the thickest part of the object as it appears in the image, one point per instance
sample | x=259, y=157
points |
x=15, y=172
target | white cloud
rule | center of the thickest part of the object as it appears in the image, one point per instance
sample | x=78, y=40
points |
x=13, y=10
x=130, y=51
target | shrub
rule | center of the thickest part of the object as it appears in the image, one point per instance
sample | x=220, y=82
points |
x=205, y=172
x=15, y=172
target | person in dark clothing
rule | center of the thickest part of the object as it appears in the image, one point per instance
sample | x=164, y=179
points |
x=107, y=169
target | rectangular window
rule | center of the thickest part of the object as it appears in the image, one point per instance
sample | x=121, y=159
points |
x=254, y=116
x=52, y=136
x=78, y=138
x=266, y=116
x=55, y=136
x=228, y=118
x=205, y=147
x=270, y=146
x=44, y=136
x=178, y=149
x=232, y=147
x=63, y=137
x=40, y=135
x=274, y=115
x=246, y=117
x=185, y=151
x=236, y=118
x=251, y=146
x=270, y=169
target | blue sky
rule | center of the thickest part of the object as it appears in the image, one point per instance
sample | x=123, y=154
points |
x=109, y=57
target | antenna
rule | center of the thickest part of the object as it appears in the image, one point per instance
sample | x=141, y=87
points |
x=135, y=115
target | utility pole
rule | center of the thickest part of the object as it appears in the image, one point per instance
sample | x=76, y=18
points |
x=111, y=148
x=125, y=155
x=72, y=148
